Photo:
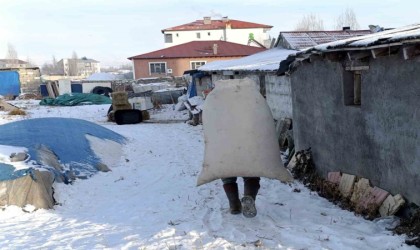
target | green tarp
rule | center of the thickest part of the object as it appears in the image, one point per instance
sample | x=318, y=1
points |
x=76, y=99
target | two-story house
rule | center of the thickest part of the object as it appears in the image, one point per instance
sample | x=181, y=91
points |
x=224, y=29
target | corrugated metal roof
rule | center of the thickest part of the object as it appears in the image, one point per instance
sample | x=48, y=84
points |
x=197, y=49
x=304, y=39
x=217, y=24
x=394, y=37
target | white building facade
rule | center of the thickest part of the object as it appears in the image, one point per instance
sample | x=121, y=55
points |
x=79, y=67
x=234, y=31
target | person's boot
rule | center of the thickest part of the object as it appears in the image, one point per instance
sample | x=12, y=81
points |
x=232, y=193
x=251, y=187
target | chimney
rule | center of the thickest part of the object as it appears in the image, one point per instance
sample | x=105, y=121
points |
x=215, y=49
x=346, y=28
x=207, y=20
x=225, y=19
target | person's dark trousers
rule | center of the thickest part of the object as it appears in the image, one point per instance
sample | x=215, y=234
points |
x=231, y=189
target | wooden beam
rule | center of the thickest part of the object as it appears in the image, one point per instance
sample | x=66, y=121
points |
x=357, y=55
x=380, y=52
x=410, y=51
x=357, y=68
x=334, y=56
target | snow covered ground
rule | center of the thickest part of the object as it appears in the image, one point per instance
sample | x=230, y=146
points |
x=150, y=201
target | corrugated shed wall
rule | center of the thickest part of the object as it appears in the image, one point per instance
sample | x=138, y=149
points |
x=9, y=83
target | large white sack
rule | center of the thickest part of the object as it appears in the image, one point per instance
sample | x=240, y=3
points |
x=239, y=133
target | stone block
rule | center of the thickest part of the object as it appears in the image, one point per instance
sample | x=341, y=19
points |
x=346, y=184
x=292, y=162
x=391, y=205
x=360, y=188
x=374, y=197
x=334, y=177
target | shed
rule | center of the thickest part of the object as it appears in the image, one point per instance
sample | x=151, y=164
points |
x=262, y=67
x=355, y=103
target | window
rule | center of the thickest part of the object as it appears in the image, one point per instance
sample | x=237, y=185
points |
x=197, y=64
x=262, y=85
x=352, y=88
x=198, y=35
x=157, y=68
x=168, y=38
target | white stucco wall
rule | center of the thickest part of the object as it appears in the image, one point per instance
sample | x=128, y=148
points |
x=279, y=96
x=233, y=35
x=278, y=92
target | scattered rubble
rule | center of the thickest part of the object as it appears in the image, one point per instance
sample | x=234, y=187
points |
x=411, y=227
x=348, y=191
x=356, y=194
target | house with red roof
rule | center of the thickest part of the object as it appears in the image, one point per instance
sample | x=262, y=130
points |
x=175, y=60
x=224, y=29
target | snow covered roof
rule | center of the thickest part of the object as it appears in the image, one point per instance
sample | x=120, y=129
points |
x=304, y=39
x=396, y=36
x=407, y=35
x=264, y=61
x=103, y=77
x=287, y=44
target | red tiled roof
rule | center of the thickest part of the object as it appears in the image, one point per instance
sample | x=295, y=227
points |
x=201, y=49
x=217, y=24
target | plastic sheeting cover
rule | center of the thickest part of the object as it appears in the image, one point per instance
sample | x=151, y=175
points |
x=7, y=172
x=76, y=99
x=65, y=137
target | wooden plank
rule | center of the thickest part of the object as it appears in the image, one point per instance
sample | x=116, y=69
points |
x=410, y=51
x=50, y=90
x=357, y=55
x=357, y=68
x=55, y=88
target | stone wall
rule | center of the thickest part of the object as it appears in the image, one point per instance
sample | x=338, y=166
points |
x=30, y=80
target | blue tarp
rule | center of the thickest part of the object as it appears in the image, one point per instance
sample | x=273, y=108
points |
x=7, y=172
x=192, y=88
x=9, y=83
x=65, y=137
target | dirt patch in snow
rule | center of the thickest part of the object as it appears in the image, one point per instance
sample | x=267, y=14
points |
x=411, y=227
x=305, y=171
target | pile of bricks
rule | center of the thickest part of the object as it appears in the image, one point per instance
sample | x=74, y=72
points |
x=365, y=197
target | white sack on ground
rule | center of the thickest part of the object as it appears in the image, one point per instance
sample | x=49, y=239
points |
x=239, y=133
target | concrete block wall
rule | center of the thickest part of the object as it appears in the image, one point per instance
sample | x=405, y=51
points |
x=30, y=80
x=379, y=139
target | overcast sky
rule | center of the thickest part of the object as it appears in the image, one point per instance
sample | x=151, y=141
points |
x=112, y=30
